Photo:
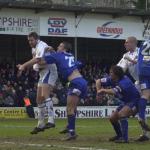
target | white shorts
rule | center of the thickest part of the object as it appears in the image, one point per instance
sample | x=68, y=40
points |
x=47, y=77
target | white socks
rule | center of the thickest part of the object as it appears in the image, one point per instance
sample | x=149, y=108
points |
x=41, y=113
x=49, y=108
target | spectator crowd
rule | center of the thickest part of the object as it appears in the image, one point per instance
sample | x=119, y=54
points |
x=13, y=89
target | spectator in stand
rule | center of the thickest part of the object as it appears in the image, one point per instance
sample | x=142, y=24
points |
x=13, y=89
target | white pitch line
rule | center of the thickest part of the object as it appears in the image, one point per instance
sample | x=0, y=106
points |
x=57, y=146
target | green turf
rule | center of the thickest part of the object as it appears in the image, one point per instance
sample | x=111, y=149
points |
x=94, y=133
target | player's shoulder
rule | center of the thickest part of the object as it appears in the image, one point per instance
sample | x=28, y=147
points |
x=125, y=54
x=42, y=43
x=64, y=54
x=68, y=54
x=124, y=81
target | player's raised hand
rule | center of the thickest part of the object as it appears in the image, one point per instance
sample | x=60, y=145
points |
x=20, y=70
x=20, y=67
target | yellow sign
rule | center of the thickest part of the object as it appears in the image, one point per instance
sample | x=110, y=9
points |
x=13, y=112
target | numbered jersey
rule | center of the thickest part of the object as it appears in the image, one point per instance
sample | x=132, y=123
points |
x=65, y=62
x=144, y=59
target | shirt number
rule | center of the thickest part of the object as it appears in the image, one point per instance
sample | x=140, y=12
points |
x=146, y=50
x=70, y=60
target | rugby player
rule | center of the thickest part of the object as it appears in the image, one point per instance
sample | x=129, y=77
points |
x=129, y=60
x=129, y=63
x=123, y=88
x=144, y=78
x=68, y=71
x=48, y=76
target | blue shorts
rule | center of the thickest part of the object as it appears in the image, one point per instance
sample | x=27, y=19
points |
x=78, y=87
x=144, y=82
x=132, y=105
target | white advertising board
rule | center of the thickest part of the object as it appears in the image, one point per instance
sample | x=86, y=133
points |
x=62, y=24
x=88, y=111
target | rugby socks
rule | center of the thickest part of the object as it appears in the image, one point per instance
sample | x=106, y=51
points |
x=49, y=108
x=117, y=128
x=124, y=127
x=41, y=112
x=71, y=124
x=68, y=121
x=142, y=107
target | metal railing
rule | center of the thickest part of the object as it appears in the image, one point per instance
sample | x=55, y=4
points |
x=106, y=3
x=122, y=4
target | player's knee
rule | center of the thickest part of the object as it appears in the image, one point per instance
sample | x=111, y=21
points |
x=146, y=96
x=113, y=118
x=40, y=99
x=70, y=110
x=121, y=115
x=126, y=113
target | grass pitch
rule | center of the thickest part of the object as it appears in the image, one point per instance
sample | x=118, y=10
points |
x=93, y=135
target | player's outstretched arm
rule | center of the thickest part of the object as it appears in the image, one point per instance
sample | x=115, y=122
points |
x=28, y=64
x=106, y=91
x=49, y=49
x=98, y=84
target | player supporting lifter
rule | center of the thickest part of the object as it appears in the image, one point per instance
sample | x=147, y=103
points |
x=124, y=89
x=48, y=76
x=68, y=71
x=144, y=78
x=129, y=60
x=129, y=63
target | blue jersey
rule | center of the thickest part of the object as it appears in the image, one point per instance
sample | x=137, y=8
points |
x=124, y=89
x=65, y=62
x=144, y=59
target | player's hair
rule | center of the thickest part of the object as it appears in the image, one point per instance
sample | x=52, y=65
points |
x=133, y=39
x=34, y=35
x=67, y=45
x=118, y=71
